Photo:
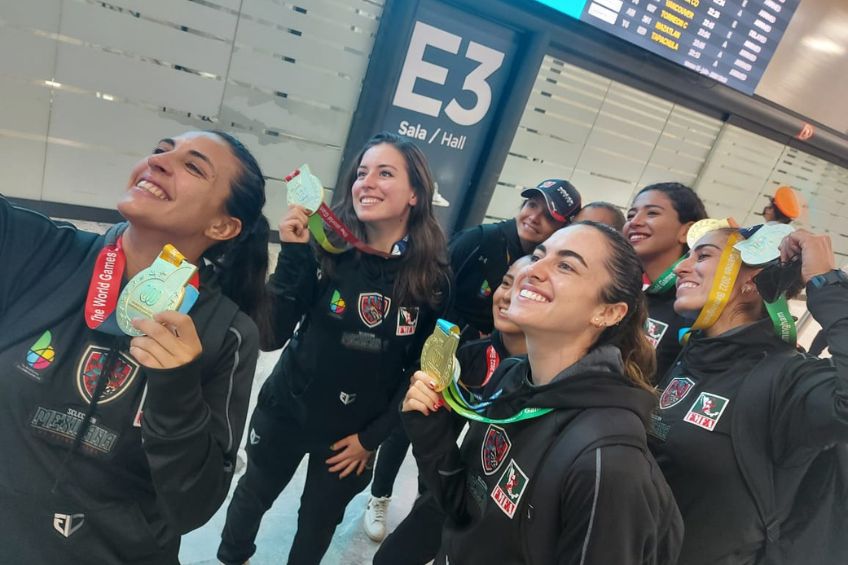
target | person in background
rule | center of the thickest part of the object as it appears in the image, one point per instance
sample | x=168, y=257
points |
x=561, y=472
x=118, y=445
x=479, y=258
x=418, y=537
x=482, y=254
x=657, y=223
x=750, y=433
x=783, y=208
x=603, y=213
x=357, y=322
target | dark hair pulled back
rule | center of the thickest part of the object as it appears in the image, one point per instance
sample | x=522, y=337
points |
x=685, y=201
x=625, y=272
x=242, y=262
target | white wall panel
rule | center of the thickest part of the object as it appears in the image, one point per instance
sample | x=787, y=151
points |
x=607, y=138
x=283, y=77
x=140, y=38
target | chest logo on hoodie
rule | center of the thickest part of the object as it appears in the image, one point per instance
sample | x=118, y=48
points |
x=119, y=380
x=707, y=410
x=496, y=446
x=675, y=392
x=407, y=320
x=373, y=308
x=337, y=304
x=655, y=330
x=510, y=488
x=39, y=357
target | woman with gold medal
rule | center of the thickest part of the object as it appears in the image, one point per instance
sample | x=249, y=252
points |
x=555, y=466
x=751, y=434
x=355, y=320
x=121, y=420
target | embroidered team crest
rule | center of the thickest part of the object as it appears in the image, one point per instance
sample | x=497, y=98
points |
x=675, y=392
x=485, y=290
x=407, y=320
x=655, y=330
x=707, y=410
x=510, y=487
x=373, y=307
x=496, y=446
x=337, y=304
x=90, y=367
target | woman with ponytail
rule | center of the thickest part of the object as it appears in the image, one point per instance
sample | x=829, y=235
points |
x=557, y=470
x=117, y=445
x=355, y=322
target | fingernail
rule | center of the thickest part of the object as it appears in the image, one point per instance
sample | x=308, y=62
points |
x=432, y=384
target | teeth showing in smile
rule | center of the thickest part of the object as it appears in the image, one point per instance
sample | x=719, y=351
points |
x=152, y=189
x=530, y=295
x=686, y=285
x=637, y=237
x=368, y=201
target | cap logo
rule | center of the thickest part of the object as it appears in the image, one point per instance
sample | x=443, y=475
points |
x=547, y=184
x=564, y=193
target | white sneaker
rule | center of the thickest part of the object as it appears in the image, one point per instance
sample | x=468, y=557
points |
x=374, y=520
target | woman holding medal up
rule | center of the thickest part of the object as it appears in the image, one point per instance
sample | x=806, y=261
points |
x=657, y=223
x=117, y=445
x=363, y=317
x=556, y=468
x=749, y=433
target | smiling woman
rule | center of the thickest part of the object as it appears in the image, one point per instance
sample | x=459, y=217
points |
x=110, y=430
x=657, y=223
x=574, y=483
x=356, y=323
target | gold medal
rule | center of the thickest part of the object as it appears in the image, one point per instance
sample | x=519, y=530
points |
x=702, y=227
x=438, y=355
x=158, y=288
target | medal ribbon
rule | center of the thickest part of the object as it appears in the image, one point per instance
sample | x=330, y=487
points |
x=722, y=286
x=454, y=398
x=665, y=281
x=317, y=219
x=781, y=318
x=105, y=285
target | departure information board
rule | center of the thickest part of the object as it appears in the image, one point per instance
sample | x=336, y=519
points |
x=730, y=41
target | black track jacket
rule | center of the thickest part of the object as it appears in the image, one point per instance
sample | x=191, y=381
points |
x=159, y=455
x=574, y=487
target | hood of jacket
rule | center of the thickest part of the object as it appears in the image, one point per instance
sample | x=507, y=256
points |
x=595, y=381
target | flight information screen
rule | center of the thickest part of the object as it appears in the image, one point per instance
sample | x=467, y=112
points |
x=730, y=41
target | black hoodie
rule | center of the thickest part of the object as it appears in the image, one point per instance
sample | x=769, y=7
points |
x=160, y=450
x=538, y=491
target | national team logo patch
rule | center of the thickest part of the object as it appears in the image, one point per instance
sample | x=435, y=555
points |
x=337, y=304
x=510, y=487
x=373, y=307
x=91, y=365
x=407, y=320
x=485, y=290
x=675, y=392
x=495, y=448
x=707, y=410
x=655, y=330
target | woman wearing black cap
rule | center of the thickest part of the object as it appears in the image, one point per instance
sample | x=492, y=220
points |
x=481, y=255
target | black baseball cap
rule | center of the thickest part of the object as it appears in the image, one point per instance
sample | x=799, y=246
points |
x=562, y=198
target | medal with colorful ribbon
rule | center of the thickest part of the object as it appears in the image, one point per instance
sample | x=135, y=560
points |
x=665, y=281
x=305, y=189
x=164, y=285
x=438, y=360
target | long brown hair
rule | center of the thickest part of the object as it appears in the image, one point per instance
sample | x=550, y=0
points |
x=625, y=271
x=424, y=266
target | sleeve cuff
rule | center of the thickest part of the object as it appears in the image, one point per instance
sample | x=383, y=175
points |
x=175, y=399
